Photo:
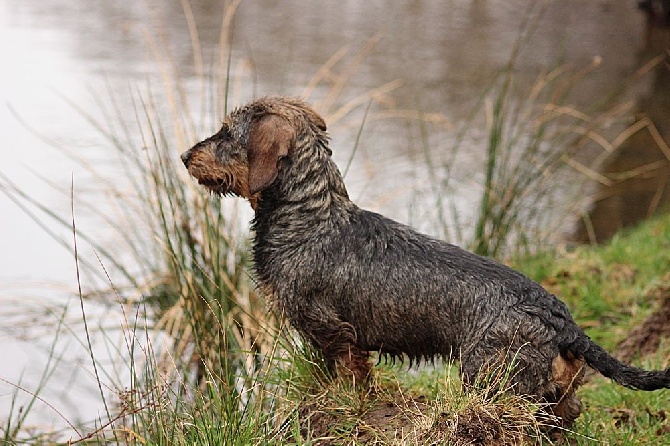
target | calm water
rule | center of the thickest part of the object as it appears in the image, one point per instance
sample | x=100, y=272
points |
x=443, y=55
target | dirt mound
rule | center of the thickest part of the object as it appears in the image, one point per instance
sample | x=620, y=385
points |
x=385, y=421
x=408, y=420
x=646, y=338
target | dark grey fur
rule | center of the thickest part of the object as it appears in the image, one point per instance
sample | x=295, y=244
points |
x=352, y=281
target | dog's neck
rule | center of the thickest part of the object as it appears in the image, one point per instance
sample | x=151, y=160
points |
x=308, y=192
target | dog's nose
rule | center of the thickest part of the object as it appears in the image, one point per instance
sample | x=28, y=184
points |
x=186, y=157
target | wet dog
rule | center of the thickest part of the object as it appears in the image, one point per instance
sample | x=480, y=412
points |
x=352, y=281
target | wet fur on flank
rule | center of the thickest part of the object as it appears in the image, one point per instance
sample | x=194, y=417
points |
x=352, y=281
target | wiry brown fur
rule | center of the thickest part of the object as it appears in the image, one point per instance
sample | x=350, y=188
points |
x=352, y=281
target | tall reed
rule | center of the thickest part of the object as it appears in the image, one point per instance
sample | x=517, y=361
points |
x=534, y=135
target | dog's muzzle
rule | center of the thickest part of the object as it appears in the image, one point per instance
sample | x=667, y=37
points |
x=186, y=157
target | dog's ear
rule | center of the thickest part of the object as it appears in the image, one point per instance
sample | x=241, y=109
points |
x=270, y=139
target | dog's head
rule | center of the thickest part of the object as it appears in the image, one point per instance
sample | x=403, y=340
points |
x=243, y=158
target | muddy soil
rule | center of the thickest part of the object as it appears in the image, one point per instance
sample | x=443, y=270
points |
x=645, y=339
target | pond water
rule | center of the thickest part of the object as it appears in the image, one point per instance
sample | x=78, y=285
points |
x=435, y=60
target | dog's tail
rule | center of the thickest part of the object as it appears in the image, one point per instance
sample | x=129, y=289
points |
x=627, y=376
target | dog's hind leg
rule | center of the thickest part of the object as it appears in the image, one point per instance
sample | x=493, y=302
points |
x=567, y=374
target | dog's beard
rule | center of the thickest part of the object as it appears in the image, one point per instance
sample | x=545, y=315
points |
x=220, y=187
x=215, y=186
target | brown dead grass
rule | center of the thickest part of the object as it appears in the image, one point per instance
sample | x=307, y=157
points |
x=385, y=414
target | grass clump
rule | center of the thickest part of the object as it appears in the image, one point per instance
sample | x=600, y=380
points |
x=392, y=411
x=197, y=340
